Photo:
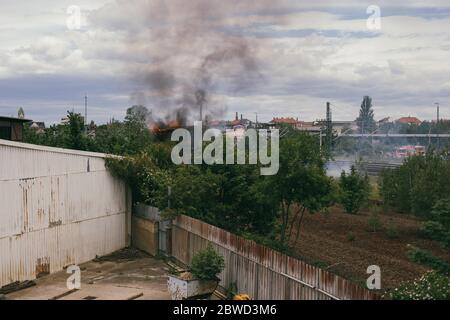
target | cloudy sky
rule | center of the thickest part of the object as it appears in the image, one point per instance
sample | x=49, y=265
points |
x=276, y=58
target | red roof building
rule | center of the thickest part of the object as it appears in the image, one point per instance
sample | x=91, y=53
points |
x=290, y=121
x=409, y=120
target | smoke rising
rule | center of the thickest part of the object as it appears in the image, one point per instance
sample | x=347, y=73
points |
x=188, y=55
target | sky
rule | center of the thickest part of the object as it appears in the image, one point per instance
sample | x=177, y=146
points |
x=270, y=58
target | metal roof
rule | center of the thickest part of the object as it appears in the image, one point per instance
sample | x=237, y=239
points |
x=14, y=119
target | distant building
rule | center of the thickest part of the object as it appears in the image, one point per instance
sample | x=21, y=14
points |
x=12, y=128
x=38, y=126
x=286, y=121
x=292, y=122
x=384, y=121
x=341, y=127
x=314, y=127
x=240, y=122
x=409, y=120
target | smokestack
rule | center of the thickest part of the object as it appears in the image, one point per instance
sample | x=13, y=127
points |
x=241, y=116
x=237, y=117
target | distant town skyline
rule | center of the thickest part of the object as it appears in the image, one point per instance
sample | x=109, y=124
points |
x=276, y=58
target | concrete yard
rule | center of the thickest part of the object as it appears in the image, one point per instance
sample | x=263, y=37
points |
x=128, y=274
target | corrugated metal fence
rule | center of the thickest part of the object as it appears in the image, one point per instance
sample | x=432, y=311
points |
x=261, y=272
x=57, y=207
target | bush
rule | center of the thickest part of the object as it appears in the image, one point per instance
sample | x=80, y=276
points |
x=417, y=185
x=374, y=223
x=431, y=286
x=207, y=264
x=441, y=212
x=148, y=182
x=355, y=190
x=351, y=237
x=432, y=229
x=438, y=228
x=392, y=231
x=426, y=258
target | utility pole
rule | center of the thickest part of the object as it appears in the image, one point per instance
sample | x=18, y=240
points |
x=329, y=127
x=256, y=123
x=437, y=125
x=85, y=111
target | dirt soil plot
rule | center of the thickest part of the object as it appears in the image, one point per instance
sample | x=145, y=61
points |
x=344, y=244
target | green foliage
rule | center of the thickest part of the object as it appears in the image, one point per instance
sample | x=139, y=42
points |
x=70, y=135
x=301, y=184
x=417, y=185
x=426, y=258
x=392, y=231
x=207, y=264
x=438, y=228
x=124, y=138
x=441, y=212
x=355, y=190
x=431, y=286
x=148, y=182
x=236, y=198
x=351, y=237
x=374, y=223
x=433, y=229
x=120, y=138
x=365, y=121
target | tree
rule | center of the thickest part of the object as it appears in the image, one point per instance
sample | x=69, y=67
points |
x=417, y=185
x=125, y=138
x=355, y=190
x=75, y=137
x=365, y=121
x=301, y=184
x=138, y=113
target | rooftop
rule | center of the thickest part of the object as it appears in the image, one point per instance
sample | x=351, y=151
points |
x=408, y=120
x=2, y=118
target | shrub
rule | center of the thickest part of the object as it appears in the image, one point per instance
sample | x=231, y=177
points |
x=355, y=190
x=415, y=186
x=207, y=264
x=351, y=237
x=426, y=258
x=441, y=212
x=431, y=286
x=374, y=223
x=392, y=231
x=438, y=228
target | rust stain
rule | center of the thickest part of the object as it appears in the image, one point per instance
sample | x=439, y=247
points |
x=55, y=223
x=42, y=267
x=274, y=275
x=25, y=207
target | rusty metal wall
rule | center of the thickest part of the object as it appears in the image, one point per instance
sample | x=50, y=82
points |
x=57, y=207
x=261, y=272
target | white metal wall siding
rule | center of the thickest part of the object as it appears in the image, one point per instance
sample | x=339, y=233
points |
x=56, y=210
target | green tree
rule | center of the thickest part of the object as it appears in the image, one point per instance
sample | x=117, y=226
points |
x=74, y=132
x=301, y=184
x=355, y=190
x=148, y=182
x=417, y=184
x=138, y=113
x=365, y=121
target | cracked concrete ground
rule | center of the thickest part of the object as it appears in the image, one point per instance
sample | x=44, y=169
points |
x=139, y=277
